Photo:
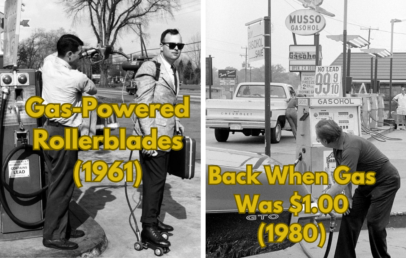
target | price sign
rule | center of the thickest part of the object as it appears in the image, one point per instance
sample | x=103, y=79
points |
x=327, y=81
x=307, y=84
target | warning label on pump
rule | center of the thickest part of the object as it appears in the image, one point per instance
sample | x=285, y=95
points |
x=19, y=168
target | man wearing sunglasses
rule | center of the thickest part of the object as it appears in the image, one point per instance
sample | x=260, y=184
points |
x=157, y=82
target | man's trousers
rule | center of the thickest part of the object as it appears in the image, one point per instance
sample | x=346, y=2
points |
x=375, y=206
x=154, y=171
x=60, y=179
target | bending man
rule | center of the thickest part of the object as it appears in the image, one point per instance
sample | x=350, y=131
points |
x=373, y=202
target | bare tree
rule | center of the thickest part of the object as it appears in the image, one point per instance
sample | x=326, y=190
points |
x=41, y=43
x=109, y=18
x=193, y=50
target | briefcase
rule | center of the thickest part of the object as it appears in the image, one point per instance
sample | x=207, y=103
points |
x=182, y=162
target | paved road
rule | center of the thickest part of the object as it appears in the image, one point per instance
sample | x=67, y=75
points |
x=119, y=94
x=284, y=151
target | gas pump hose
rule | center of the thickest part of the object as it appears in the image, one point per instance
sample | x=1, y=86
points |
x=3, y=166
x=332, y=224
x=2, y=175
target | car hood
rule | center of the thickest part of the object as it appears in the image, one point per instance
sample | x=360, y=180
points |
x=220, y=198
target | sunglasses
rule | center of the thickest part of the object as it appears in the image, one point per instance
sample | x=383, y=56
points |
x=173, y=45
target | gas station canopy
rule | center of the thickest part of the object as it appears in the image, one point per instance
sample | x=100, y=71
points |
x=353, y=41
x=377, y=52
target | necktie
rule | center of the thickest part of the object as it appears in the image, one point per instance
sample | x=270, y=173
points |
x=176, y=79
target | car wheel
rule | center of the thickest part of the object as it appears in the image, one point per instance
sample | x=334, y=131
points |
x=276, y=133
x=221, y=134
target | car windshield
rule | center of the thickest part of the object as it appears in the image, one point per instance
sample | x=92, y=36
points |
x=258, y=91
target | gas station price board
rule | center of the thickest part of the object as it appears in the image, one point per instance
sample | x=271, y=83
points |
x=327, y=81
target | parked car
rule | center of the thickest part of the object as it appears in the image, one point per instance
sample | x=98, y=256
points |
x=245, y=112
x=230, y=233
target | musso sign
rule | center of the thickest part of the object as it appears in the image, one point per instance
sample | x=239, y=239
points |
x=305, y=22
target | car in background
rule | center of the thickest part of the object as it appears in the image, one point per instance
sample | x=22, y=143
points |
x=245, y=112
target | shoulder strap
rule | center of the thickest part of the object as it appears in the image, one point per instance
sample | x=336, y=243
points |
x=157, y=70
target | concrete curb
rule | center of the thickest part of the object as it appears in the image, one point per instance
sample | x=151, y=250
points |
x=91, y=245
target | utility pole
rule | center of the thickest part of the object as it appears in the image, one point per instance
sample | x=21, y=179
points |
x=369, y=33
x=246, y=61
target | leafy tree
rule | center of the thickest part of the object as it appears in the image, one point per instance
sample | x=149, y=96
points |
x=111, y=18
x=188, y=73
x=197, y=75
x=193, y=51
x=180, y=70
x=279, y=74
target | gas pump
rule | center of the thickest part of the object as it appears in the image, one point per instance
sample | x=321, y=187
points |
x=346, y=112
x=22, y=169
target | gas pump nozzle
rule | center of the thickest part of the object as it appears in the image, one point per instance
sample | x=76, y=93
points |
x=102, y=53
x=298, y=159
x=5, y=91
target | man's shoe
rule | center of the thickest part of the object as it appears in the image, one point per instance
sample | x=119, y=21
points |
x=61, y=244
x=163, y=227
x=152, y=235
x=76, y=233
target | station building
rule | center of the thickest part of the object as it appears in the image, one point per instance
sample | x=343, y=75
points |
x=361, y=72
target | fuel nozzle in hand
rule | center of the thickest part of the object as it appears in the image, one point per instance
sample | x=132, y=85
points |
x=97, y=55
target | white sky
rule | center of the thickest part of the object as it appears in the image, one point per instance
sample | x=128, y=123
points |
x=226, y=32
x=50, y=15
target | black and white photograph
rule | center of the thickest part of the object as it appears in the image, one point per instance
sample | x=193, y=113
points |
x=305, y=128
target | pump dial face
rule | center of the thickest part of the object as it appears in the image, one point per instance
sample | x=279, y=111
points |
x=22, y=78
x=7, y=79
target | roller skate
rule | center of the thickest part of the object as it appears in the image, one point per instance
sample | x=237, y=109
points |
x=164, y=229
x=152, y=238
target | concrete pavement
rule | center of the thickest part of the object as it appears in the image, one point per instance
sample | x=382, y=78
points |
x=103, y=214
x=105, y=202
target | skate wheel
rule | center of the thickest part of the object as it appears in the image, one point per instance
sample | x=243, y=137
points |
x=166, y=250
x=165, y=235
x=159, y=251
x=137, y=246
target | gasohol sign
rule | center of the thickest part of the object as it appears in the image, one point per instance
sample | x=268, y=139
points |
x=305, y=22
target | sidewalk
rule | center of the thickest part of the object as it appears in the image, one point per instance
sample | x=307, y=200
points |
x=101, y=210
x=106, y=203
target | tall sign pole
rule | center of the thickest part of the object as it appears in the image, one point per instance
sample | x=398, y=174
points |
x=268, y=76
x=345, y=50
x=209, y=73
x=12, y=18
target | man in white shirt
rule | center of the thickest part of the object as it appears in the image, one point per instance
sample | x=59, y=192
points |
x=62, y=83
x=401, y=110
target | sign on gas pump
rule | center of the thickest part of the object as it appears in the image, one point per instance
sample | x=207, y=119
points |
x=328, y=81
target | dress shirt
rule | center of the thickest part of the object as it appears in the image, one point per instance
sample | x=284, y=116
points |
x=168, y=68
x=62, y=84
